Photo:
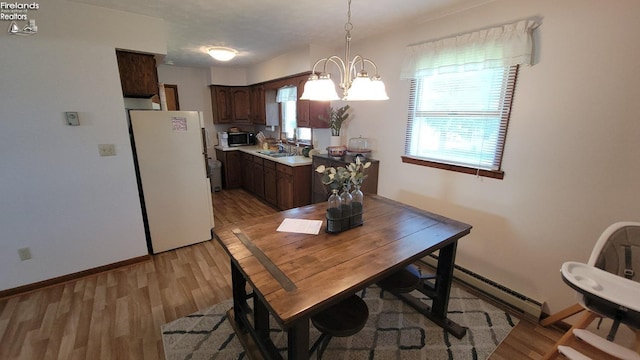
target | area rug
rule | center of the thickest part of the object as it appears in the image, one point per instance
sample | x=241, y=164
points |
x=394, y=331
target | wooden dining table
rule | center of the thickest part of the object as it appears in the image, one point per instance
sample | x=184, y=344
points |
x=293, y=276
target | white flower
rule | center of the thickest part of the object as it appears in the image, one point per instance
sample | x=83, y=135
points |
x=320, y=169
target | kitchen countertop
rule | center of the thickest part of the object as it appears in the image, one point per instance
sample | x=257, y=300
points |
x=297, y=160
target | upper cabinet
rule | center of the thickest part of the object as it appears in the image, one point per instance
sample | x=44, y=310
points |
x=231, y=104
x=138, y=74
x=256, y=104
x=258, y=110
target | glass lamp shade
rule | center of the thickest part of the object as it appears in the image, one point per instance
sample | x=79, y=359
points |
x=363, y=88
x=222, y=53
x=359, y=89
x=377, y=90
x=322, y=89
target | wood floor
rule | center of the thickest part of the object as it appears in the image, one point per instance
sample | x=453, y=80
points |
x=117, y=314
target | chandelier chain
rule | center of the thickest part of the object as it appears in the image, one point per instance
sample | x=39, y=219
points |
x=348, y=26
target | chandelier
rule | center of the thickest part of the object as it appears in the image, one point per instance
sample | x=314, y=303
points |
x=355, y=82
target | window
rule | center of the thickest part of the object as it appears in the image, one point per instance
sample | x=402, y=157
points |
x=460, y=119
x=461, y=94
x=289, y=121
x=288, y=97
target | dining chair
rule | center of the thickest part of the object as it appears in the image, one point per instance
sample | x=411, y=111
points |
x=607, y=287
x=343, y=319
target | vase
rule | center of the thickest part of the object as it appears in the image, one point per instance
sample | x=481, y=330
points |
x=334, y=212
x=357, y=206
x=345, y=198
x=335, y=140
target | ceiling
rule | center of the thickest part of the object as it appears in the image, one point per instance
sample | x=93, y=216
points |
x=263, y=29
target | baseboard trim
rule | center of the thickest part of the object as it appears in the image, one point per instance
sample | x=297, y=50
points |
x=70, y=277
x=492, y=289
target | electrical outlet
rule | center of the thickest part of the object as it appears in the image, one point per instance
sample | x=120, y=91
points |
x=107, y=149
x=24, y=253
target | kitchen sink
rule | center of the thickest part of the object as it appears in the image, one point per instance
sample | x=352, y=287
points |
x=274, y=154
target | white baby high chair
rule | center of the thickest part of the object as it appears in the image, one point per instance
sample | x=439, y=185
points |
x=607, y=286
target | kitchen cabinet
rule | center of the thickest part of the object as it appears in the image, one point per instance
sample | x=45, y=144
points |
x=241, y=104
x=258, y=109
x=138, y=74
x=231, y=168
x=321, y=193
x=247, y=172
x=230, y=104
x=293, y=186
x=258, y=177
x=309, y=113
x=270, y=183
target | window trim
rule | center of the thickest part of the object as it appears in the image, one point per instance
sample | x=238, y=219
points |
x=506, y=117
x=495, y=174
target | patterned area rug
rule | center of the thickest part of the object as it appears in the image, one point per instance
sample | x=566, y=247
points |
x=394, y=331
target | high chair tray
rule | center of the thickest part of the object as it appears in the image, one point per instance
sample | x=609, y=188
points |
x=597, y=284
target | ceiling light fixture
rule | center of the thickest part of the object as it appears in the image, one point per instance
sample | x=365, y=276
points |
x=355, y=85
x=222, y=53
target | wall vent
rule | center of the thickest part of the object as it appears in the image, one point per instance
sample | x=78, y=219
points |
x=492, y=289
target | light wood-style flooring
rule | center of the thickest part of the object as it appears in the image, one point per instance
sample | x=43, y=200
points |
x=117, y=314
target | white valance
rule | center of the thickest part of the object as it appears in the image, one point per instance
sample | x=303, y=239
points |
x=288, y=93
x=500, y=46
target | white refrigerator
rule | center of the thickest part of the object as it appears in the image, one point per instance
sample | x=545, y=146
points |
x=175, y=194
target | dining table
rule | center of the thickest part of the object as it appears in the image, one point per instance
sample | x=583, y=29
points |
x=291, y=276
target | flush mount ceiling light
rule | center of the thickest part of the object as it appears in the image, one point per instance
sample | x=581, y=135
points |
x=355, y=82
x=222, y=53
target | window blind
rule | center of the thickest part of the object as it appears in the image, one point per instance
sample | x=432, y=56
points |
x=461, y=118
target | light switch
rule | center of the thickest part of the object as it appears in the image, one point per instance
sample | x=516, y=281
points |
x=107, y=149
x=72, y=118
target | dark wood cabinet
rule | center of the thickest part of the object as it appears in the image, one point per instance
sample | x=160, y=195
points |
x=258, y=108
x=321, y=193
x=247, y=171
x=258, y=177
x=270, y=183
x=230, y=104
x=294, y=186
x=280, y=185
x=231, y=168
x=240, y=104
x=221, y=103
x=138, y=74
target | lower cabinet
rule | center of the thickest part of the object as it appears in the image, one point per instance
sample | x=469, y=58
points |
x=231, y=168
x=247, y=172
x=270, y=183
x=258, y=177
x=293, y=186
x=282, y=186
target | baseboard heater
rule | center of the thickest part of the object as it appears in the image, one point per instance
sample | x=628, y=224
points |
x=492, y=289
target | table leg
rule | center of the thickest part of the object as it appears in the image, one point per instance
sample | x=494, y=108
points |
x=261, y=319
x=439, y=294
x=298, y=339
x=238, y=288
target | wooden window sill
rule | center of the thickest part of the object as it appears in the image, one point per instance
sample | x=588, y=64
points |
x=494, y=174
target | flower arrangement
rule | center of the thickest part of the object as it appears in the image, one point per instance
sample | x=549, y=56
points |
x=356, y=171
x=336, y=178
x=336, y=118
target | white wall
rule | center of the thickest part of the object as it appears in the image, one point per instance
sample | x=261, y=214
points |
x=193, y=93
x=571, y=158
x=73, y=209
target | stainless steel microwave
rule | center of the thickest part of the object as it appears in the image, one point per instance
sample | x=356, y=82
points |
x=241, y=138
